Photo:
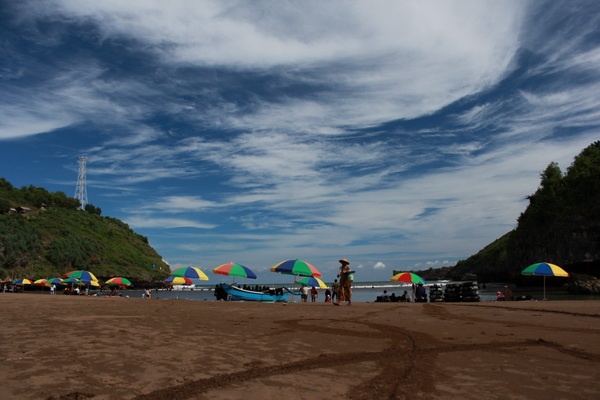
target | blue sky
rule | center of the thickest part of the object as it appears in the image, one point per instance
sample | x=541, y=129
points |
x=399, y=135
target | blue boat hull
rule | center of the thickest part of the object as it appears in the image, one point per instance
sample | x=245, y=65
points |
x=236, y=294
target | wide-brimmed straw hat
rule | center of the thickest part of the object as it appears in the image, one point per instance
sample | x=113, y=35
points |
x=345, y=261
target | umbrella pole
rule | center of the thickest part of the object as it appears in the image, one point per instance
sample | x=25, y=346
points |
x=293, y=288
x=545, y=287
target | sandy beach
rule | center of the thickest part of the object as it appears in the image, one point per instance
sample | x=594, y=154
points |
x=68, y=347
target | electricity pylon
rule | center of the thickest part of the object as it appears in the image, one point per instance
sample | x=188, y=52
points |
x=81, y=190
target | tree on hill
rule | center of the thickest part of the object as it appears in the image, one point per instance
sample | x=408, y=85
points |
x=561, y=224
x=56, y=237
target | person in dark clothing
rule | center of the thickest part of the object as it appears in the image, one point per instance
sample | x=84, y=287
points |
x=421, y=294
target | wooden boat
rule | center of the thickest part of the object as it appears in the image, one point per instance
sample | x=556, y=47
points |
x=238, y=294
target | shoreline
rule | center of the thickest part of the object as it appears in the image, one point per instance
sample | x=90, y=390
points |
x=68, y=347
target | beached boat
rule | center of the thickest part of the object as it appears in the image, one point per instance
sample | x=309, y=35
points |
x=238, y=294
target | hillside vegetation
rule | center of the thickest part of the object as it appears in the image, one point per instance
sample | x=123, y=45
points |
x=43, y=235
x=561, y=225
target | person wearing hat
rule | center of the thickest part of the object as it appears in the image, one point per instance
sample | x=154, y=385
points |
x=345, y=282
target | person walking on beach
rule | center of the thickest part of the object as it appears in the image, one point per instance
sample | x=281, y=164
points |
x=335, y=291
x=345, y=282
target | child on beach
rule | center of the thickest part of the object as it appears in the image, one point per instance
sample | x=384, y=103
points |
x=335, y=291
x=313, y=294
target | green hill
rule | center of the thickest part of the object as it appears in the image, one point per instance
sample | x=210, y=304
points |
x=43, y=234
x=561, y=225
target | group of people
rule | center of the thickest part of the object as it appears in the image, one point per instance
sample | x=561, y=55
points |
x=392, y=298
x=340, y=290
x=305, y=292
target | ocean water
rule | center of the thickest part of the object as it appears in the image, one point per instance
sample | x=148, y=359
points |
x=366, y=292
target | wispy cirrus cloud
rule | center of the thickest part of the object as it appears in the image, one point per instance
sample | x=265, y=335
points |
x=165, y=223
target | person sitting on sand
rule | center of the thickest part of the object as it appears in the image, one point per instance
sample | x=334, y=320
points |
x=384, y=297
x=404, y=297
x=327, y=295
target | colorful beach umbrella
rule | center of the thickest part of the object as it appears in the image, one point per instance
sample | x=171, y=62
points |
x=40, y=282
x=545, y=269
x=296, y=267
x=190, y=273
x=82, y=275
x=118, y=281
x=21, y=282
x=312, y=282
x=54, y=281
x=234, y=269
x=71, y=281
x=407, y=277
x=178, y=280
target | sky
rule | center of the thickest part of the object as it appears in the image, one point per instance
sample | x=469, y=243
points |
x=399, y=135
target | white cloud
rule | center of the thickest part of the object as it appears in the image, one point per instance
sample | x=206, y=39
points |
x=166, y=223
x=379, y=265
x=179, y=204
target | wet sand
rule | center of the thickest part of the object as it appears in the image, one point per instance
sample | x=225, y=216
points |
x=67, y=347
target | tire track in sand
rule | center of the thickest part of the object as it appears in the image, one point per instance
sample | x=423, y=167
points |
x=398, y=375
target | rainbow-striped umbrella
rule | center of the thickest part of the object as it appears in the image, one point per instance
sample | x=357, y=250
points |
x=40, y=282
x=190, y=273
x=119, y=281
x=234, y=269
x=21, y=282
x=54, y=281
x=545, y=269
x=407, y=277
x=82, y=275
x=178, y=280
x=296, y=267
x=312, y=282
